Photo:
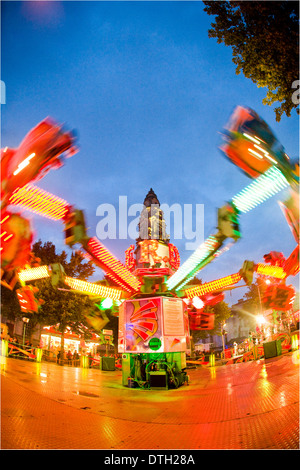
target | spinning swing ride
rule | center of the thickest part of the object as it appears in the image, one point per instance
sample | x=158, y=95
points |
x=157, y=304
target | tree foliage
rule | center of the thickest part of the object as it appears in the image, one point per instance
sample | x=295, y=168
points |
x=264, y=37
x=10, y=307
x=75, y=267
x=254, y=296
x=63, y=307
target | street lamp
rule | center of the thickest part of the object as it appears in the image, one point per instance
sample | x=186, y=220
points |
x=260, y=319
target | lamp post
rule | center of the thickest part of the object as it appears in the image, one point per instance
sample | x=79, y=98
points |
x=259, y=296
x=25, y=320
x=260, y=320
x=223, y=324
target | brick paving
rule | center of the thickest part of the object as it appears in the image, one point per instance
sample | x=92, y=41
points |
x=253, y=405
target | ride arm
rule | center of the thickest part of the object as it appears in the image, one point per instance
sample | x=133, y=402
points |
x=227, y=228
x=258, y=191
x=57, y=275
x=227, y=282
x=45, y=204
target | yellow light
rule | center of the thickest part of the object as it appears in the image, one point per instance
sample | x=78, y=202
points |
x=39, y=353
x=213, y=286
x=39, y=201
x=93, y=289
x=34, y=273
x=272, y=271
x=8, y=237
x=84, y=361
x=5, y=218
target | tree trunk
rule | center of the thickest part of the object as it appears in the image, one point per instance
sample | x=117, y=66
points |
x=62, y=348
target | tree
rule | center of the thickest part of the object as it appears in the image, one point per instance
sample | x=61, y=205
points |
x=74, y=268
x=10, y=307
x=264, y=37
x=254, y=296
x=63, y=307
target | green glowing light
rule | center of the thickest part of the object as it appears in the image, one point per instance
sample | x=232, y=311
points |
x=106, y=303
x=261, y=189
x=154, y=344
x=204, y=251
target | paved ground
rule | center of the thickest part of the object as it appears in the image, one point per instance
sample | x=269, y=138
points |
x=252, y=405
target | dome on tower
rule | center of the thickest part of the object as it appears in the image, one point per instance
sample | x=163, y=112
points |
x=151, y=198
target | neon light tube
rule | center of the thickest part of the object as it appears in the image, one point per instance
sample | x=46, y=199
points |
x=194, y=262
x=273, y=271
x=213, y=286
x=32, y=274
x=111, y=265
x=261, y=189
x=40, y=202
x=90, y=288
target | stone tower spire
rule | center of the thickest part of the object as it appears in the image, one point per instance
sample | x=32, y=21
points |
x=152, y=225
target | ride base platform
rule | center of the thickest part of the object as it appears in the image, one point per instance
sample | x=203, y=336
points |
x=248, y=405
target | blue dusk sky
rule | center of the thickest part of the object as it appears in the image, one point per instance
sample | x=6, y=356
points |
x=148, y=93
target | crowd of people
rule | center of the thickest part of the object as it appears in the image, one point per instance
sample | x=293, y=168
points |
x=74, y=358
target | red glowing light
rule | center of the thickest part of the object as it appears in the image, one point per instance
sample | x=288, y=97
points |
x=16, y=240
x=174, y=256
x=112, y=266
x=149, y=248
x=291, y=265
x=129, y=258
x=27, y=299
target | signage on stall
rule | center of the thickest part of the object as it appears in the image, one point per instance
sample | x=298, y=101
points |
x=107, y=332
